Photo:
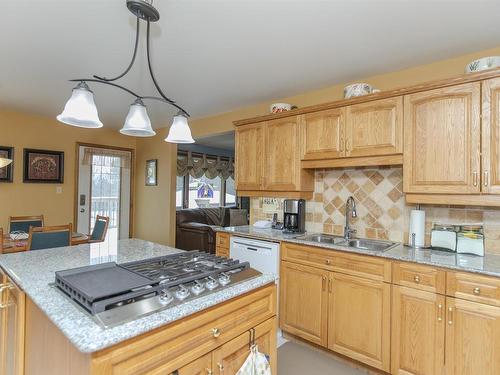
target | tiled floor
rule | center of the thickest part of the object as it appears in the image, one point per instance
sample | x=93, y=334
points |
x=299, y=359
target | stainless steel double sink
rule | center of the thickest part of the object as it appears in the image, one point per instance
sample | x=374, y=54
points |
x=358, y=243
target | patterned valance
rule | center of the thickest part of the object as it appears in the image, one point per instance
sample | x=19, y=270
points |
x=197, y=166
x=106, y=157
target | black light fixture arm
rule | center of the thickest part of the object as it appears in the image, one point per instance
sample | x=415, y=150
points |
x=183, y=111
x=137, y=32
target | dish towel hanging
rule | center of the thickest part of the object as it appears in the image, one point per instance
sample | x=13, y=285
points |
x=255, y=364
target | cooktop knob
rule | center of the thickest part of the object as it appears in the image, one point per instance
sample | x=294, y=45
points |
x=166, y=297
x=224, y=279
x=211, y=283
x=197, y=288
x=182, y=293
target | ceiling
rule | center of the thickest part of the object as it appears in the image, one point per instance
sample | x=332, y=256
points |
x=212, y=56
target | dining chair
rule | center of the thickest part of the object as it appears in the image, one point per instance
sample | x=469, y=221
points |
x=49, y=237
x=23, y=223
x=100, y=229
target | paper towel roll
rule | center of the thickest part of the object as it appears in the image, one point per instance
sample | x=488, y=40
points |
x=417, y=226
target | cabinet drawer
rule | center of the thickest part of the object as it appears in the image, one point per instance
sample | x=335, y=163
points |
x=351, y=264
x=472, y=287
x=419, y=277
x=222, y=240
x=169, y=348
x=307, y=255
x=222, y=251
x=361, y=265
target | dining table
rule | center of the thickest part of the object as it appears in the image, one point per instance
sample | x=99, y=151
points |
x=16, y=245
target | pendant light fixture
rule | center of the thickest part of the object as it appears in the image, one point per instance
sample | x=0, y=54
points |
x=80, y=110
x=5, y=162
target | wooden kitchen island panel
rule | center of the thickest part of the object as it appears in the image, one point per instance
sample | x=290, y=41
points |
x=161, y=351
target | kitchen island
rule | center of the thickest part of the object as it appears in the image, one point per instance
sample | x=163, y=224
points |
x=57, y=336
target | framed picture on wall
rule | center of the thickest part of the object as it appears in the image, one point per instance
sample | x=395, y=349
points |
x=7, y=173
x=151, y=172
x=42, y=166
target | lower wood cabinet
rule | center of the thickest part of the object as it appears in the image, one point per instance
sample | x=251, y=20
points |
x=12, y=310
x=359, y=319
x=304, y=302
x=472, y=338
x=229, y=358
x=418, y=332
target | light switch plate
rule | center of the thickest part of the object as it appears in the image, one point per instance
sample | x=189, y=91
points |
x=59, y=190
x=271, y=205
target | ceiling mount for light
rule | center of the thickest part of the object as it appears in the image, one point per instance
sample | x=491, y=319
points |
x=80, y=110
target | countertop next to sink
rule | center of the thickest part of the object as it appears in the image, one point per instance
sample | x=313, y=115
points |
x=487, y=265
x=34, y=270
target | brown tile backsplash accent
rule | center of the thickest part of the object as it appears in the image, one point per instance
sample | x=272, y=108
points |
x=381, y=207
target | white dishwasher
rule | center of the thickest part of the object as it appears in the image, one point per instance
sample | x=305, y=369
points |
x=264, y=256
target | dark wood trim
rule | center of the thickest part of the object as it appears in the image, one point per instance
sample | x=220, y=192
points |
x=464, y=78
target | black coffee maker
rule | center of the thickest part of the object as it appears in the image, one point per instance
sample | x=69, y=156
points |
x=294, y=216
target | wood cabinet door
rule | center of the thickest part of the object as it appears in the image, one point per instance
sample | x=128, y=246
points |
x=304, y=302
x=200, y=366
x=3, y=324
x=13, y=330
x=490, y=179
x=323, y=134
x=442, y=140
x=375, y=128
x=249, y=157
x=229, y=358
x=418, y=331
x=359, y=324
x=472, y=338
x=282, y=158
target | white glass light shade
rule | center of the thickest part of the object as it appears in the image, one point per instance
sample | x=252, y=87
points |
x=4, y=162
x=179, y=131
x=137, y=123
x=80, y=109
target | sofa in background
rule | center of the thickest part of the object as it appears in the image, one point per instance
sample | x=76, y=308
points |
x=195, y=227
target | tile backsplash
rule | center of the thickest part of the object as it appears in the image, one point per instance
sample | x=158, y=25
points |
x=381, y=207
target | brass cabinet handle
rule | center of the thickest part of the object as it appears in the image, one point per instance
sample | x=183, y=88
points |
x=209, y=371
x=417, y=279
x=348, y=145
x=440, y=312
x=474, y=178
x=330, y=285
x=477, y=291
x=341, y=146
x=7, y=286
x=485, y=178
x=323, y=283
x=220, y=366
x=450, y=315
x=216, y=332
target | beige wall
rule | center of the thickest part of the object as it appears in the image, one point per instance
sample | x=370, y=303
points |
x=155, y=205
x=22, y=130
x=437, y=70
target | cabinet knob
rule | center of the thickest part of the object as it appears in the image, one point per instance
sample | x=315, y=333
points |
x=328, y=261
x=417, y=278
x=215, y=332
x=477, y=291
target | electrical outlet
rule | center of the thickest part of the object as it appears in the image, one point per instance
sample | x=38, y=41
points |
x=59, y=190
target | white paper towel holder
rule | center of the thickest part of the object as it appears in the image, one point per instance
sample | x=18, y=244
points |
x=413, y=235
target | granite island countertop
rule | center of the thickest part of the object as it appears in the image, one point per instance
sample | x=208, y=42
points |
x=33, y=271
x=487, y=265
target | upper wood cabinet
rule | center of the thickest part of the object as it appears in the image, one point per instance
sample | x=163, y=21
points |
x=324, y=134
x=281, y=166
x=490, y=178
x=359, y=320
x=418, y=327
x=442, y=140
x=249, y=157
x=472, y=338
x=268, y=160
x=375, y=128
x=304, y=302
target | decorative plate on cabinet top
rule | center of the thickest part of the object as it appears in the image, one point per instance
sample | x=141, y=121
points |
x=483, y=64
x=358, y=89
